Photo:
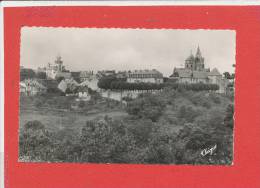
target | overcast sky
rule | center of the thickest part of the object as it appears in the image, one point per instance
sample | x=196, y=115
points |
x=125, y=49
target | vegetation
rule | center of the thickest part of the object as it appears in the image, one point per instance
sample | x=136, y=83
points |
x=193, y=87
x=147, y=106
x=170, y=127
x=113, y=83
x=30, y=74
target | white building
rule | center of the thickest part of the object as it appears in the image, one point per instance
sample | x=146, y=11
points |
x=91, y=83
x=146, y=76
x=195, y=72
x=56, y=70
x=31, y=87
x=70, y=84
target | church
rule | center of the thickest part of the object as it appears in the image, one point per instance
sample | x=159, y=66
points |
x=196, y=72
x=56, y=70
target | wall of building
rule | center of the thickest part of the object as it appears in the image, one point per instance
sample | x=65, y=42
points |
x=145, y=80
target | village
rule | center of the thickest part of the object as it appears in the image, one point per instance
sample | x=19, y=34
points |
x=55, y=78
x=132, y=116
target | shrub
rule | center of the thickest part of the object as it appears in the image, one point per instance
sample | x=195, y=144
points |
x=141, y=130
x=35, y=142
x=187, y=113
x=33, y=125
x=150, y=107
x=105, y=140
x=38, y=102
x=81, y=104
x=215, y=98
x=228, y=120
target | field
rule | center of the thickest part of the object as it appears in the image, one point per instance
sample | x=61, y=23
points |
x=56, y=120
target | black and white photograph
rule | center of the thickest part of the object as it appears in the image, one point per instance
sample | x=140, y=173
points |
x=128, y=96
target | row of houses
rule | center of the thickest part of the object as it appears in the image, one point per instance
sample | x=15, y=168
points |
x=68, y=86
x=194, y=71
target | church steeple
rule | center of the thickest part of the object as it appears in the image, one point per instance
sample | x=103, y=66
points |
x=198, y=54
x=195, y=63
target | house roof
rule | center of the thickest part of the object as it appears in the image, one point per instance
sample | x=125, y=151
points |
x=146, y=72
x=82, y=89
x=71, y=81
x=84, y=74
x=181, y=72
x=75, y=74
x=214, y=72
x=33, y=82
x=63, y=74
x=187, y=73
x=91, y=83
x=200, y=74
x=191, y=57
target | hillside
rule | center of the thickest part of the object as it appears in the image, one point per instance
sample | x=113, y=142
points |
x=170, y=127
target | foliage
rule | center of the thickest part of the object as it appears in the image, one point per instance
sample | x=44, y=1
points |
x=187, y=113
x=105, y=82
x=161, y=150
x=142, y=130
x=227, y=75
x=27, y=74
x=104, y=141
x=169, y=127
x=41, y=75
x=113, y=84
x=38, y=102
x=229, y=121
x=149, y=107
x=193, y=86
x=60, y=78
x=35, y=141
x=82, y=104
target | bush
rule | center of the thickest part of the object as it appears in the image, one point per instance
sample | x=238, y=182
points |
x=194, y=86
x=215, y=98
x=35, y=142
x=229, y=121
x=105, y=140
x=187, y=113
x=141, y=131
x=38, y=102
x=150, y=107
x=82, y=104
x=192, y=140
x=33, y=125
x=200, y=99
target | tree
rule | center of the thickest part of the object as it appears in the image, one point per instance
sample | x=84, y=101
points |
x=105, y=140
x=148, y=106
x=227, y=75
x=35, y=142
x=105, y=82
x=41, y=75
x=187, y=113
x=27, y=74
x=95, y=96
x=229, y=121
x=82, y=104
x=60, y=78
x=141, y=131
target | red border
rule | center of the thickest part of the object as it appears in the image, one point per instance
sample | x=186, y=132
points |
x=246, y=169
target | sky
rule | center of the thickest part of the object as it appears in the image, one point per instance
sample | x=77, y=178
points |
x=126, y=49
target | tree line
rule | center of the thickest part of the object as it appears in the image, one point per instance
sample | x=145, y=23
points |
x=113, y=83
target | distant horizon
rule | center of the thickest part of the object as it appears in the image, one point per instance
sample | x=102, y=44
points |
x=126, y=49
